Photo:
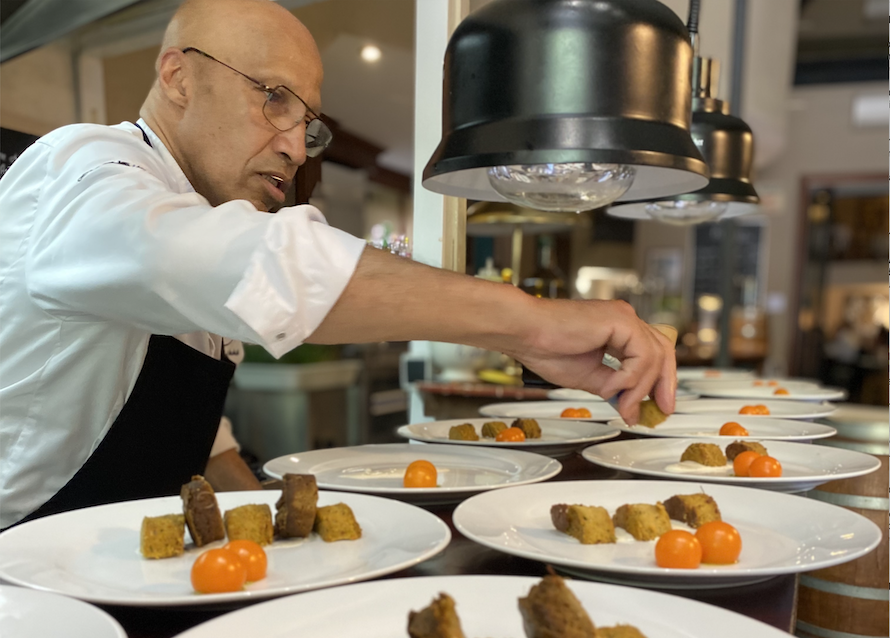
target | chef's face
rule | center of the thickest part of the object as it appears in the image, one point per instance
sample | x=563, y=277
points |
x=235, y=152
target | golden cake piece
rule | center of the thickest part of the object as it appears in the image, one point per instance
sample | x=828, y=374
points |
x=529, y=427
x=589, y=524
x=737, y=447
x=491, y=429
x=463, y=432
x=201, y=512
x=337, y=523
x=650, y=414
x=162, y=536
x=644, y=522
x=619, y=631
x=438, y=620
x=705, y=454
x=693, y=509
x=295, y=509
x=251, y=522
x=551, y=610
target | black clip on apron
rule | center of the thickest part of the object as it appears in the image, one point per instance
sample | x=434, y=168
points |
x=163, y=434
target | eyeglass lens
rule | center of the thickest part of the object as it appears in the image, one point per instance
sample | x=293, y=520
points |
x=284, y=110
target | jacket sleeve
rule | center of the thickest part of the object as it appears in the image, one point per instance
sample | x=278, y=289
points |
x=114, y=240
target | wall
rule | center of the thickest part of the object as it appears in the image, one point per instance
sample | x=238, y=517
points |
x=38, y=90
x=821, y=141
x=128, y=78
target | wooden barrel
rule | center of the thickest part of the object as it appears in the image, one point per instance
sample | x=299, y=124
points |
x=851, y=600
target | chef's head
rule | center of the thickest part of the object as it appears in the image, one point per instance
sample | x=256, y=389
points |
x=239, y=82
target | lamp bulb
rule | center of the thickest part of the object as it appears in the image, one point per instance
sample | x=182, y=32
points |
x=565, y=187
x=682, y=212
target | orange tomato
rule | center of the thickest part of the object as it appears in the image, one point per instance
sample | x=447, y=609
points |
x=731, y=428
x=678, y=549
x=712, y=373
x=217, y=571
x=757, y=384
x=583, y=413
x=765, y=466
x=420, y=474
x=772, y=383
x=721, y=543
x=510, y=435
x=781, y=391
x=252, y=555
x=755, y=409
x=742, y=463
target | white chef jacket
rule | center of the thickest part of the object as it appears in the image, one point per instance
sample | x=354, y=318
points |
x=104, y=243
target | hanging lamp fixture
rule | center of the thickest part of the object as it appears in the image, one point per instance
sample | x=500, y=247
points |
x=567, y=105
x=726, y=142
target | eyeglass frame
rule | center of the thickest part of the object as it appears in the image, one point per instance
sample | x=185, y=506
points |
x=311, y=151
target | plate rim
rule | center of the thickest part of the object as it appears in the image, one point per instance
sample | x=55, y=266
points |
x=535, y=443
x=429, y=491
x=110, y=622
x=741, y=481
x=584, y=404
x=825, y=405
x=433, y=584
x=243, y=596
x=828, y=431
x=653, y=574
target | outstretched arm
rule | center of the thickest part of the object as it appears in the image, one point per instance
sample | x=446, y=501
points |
x=391, y=299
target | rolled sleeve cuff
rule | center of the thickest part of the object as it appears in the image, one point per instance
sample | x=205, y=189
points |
x=294, y=278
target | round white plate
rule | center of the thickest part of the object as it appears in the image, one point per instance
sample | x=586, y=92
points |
x=567, y=394
x=708, y=426
x=599, y=410
x=797, y=391
x=379, y=469
x=687, y=373
x=26, y=613
x=778, y=409
x=804, y=466
x=486, y=606
x=781, y=533
x=93, y=553
x=559, y=437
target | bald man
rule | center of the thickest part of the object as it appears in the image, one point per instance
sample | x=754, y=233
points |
x=137, y=255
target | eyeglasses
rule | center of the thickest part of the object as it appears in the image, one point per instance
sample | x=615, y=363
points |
x=284, y=110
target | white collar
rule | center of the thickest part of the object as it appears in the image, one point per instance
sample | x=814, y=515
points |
x=182, y=181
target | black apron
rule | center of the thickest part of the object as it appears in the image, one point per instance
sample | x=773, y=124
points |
x=163, y=434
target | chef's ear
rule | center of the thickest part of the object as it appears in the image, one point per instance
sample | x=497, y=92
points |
x=173, y=76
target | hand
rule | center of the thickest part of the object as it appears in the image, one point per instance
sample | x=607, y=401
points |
x=570, y=342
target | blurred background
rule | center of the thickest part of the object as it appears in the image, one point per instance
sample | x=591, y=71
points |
x=807, y=295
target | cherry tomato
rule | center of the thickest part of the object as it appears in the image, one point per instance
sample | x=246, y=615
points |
x=510, y=435
x=583, y=413
x=755, y=409
x=758, y=383
x=742, y=462
x=765, y=466
x=721, y=543
x=772, y=383
x=712, y=373
x=781, y=391
x=420, y=474
x=217, y=571
x=252, y=555
x=732, y=428
x=569, y=413
x=678, y=549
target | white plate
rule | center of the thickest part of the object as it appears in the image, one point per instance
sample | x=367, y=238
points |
x=486, y=606
x=26, y=613
x=684, y=373
x=778, y=409
x=797, y=391
x=559, y=437
x=707, y=426
x=379, y=469
x=567, y=394
x=781, y=533
x=803, y=466
x=599, y=410
x=93, y=553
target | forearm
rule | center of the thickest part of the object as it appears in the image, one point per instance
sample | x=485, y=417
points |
x=392, y=299
x=227, y=472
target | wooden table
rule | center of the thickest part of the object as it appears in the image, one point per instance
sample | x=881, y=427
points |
x=773, y=602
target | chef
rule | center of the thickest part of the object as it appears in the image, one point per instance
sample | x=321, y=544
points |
x=118, y=238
